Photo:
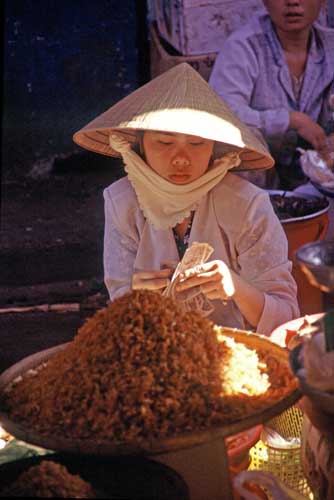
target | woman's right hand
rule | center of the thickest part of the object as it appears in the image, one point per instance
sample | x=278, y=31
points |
x=328, y=154
x=309, y=130
x=151, y=280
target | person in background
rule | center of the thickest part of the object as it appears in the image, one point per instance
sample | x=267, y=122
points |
x=317, y=442
x=277, y=73
x=179, y=143
x=322, y=421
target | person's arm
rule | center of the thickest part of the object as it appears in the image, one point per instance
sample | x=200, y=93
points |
x=119, y=252
x=217, y=281
x=263, y=288
x=249, y=299
x=263, y=261
x=234, y=76
x=120, y=249
x=152, y=280
x=309, y=130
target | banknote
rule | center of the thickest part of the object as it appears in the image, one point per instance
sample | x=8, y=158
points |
x=192, y=299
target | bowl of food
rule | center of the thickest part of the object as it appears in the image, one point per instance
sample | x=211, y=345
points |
x=290, y=334
x=294, y=207
x=304, y=219
x=45, y=478
x=317, y=262
x=311, y=360
x=63, y=475
x=144, y=377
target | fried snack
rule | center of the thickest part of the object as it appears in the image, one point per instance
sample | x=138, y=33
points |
x=49, y=480
x=287, y=207
x=142, y=368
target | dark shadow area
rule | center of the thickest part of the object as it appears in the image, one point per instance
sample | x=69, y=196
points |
x=64, y=63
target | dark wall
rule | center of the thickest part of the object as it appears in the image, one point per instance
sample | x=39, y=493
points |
x=65, y=61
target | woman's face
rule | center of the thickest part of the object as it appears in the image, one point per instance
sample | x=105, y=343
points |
x=293, y=15
x=178, y=158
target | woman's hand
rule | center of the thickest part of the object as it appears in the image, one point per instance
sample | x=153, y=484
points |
x=213, y=277
x=217, y=281
x=309, y=130
x=151, y=280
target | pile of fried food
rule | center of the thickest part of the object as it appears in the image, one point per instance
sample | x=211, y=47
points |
x=48, y=479
x=142, y=368
x=287, y=207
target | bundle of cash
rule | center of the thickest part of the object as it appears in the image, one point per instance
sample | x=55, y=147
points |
x=192, y=299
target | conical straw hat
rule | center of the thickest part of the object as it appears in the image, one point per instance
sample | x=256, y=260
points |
x=179, y=100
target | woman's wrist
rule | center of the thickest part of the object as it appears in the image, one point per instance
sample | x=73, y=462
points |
x=248, y=299
x=295, y=119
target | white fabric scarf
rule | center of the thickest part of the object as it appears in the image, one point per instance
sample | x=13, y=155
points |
x=163, y=203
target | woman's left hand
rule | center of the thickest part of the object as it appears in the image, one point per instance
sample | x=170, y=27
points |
x=214, y=279
x=217, y=281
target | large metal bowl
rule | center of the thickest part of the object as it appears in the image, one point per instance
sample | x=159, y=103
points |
x=317, y=262
x=151, y=447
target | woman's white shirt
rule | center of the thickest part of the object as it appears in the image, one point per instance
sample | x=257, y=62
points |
x=236, y=218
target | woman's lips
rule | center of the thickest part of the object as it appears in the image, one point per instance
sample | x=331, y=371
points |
x=293, y=16
x=179, y=177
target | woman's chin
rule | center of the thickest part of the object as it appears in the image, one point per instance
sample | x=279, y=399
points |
x=179, y=179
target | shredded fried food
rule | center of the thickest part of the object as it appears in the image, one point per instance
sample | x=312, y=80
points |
x=141, y=369
x=49, y=480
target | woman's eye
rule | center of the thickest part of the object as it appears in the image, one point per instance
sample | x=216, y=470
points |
x=166, y=143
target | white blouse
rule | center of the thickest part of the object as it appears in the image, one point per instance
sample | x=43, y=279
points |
x=236, y=218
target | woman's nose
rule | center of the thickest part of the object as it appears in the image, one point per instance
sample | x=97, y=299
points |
x=181, y=159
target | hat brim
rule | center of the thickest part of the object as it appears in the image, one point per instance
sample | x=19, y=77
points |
x=98, y=142
x=178, y=101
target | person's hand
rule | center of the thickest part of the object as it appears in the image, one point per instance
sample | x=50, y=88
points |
x=214, y=279
x=217, y=281
x=328, y=153
x=309, y=130
x=151, y=280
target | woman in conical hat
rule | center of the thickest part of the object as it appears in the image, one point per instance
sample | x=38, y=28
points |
x=181, y=146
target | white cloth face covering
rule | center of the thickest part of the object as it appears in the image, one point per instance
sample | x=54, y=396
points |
x=163, y=203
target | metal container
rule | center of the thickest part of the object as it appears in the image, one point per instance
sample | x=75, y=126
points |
x=299, y=231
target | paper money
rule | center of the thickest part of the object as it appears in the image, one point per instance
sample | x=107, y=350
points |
x=192, y=299
x=195, y=255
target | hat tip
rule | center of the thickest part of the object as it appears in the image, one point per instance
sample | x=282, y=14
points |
x=184, y=68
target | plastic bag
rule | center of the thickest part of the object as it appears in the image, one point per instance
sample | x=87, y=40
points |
x=275, y=440
x=268, y=481
x=316, y=168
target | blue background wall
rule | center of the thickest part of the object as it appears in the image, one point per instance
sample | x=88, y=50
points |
x=64, y=63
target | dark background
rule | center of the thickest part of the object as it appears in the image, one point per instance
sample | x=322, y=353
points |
x=64, y=63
